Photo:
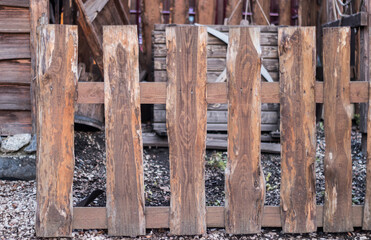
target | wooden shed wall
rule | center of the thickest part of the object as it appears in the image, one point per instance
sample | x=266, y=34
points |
x=15, y=67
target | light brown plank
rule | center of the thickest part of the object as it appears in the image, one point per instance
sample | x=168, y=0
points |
x=244, y=179
x=14, y=20
x=285, y=12
x=366, y=224
x=125, y=184
x=205, y=11
x=15, y=122
x=15, y=71
x=338, y=124
x=14, y=46
x=297, y=51
x=234, y=7
x=15, y=97
x=261, y=14
x=55, y=87
x=186, y=127
x=158, y=217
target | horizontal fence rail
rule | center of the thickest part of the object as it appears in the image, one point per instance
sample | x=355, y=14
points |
x=186, y=95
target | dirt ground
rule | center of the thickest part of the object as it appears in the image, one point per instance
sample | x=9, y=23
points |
x=17, y=198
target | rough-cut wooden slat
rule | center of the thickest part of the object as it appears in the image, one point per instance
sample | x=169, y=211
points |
x=297, y=51
x=15, y=71
x=261, y=14
x=14, y=46
x=244, y=180
x=186, y=125
x=235, y=7
x=179, y=12
x=158, y=217
x=223, y=28
x=285, y=12
x=15, y=97
x=125, y=184
x=205, y=11
x=155, y=92
x=366, y=224
x=14, y=20
x=15, y=122
x=338, y=124
x=15, y=3
x=55, y=88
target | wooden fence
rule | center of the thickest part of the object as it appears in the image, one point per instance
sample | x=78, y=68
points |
x=186, y=95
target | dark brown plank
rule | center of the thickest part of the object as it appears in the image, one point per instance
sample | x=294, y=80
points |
x=366, y=224
x=338, y=124
x=125, y=184
x=261, y=14
x=15, y=122
x=55, y=91
x=244, y=180
x=14, y=20
x=15, y=97
x=179, y=12
x=15, y=3
x=158, y=217
x=234, y=12
x=297, y=53
x=186, y=126
x=15, y=71
x=14, y=46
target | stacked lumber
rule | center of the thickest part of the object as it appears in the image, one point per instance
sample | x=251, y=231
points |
x=217, y=114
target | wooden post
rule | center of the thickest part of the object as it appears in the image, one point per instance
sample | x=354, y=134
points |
x=55, y=90
x=285, y=12
x=244, y=180
x=37, y=9
x=236, y=6
x=307, y=14
x=338, y=124
x=125, y=184
x=205, y=11
x=257, y=13
x=179, y=11
x=297, y=55
x=186, y=109
x=366, y=224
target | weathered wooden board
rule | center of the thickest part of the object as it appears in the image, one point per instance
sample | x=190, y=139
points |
x=205, y=11
x=14, y=46
x=15, y=97
x=233, y=12
x=125, y=183
x=56, y=88
x=297, y=51
x=285, y=12
x=15, y=3
x=14, y=20
x=261, y=12
x=179, y=12
x=186, y=125
x=338, y=124
x=244, y=179
x=366, y=223
x=15, y=122
x=15, y=71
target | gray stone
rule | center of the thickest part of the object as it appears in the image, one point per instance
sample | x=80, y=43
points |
x=19, y=168
x=15, y=143
x=31, y=148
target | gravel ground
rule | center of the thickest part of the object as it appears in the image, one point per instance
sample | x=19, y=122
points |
x=17, y=198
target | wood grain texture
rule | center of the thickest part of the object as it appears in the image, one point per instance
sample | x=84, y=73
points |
x=124, y=154
x=338, y=124
x=297, y=53
x=258, y=13
x=205, y=11
x=14, y=20
x=15, y=122
x=56, y=88
x=15, y=97
x=179, y=12
x=15, y=3
x=236, y=6
x=285, y=12
x=15, y=71
x=14, y=46
x=244, y=179
x=366, y=224
x=186, y=125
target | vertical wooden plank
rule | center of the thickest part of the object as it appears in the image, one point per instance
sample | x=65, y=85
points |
x=261, y=13
x=124, y=154
x=186, y=109
x=285, y=12
x=297, y=55
x=235, y=7
x=245, y=185
x=366, y=223
x=179, y=11
x=37, y=9
x=55, y=90
x=205, y=11
x=338, y=123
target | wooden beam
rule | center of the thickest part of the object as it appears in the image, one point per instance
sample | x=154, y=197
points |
x=158, y=217
x=297, y=52
x=55, y=91
x=205, y=11
x=338, y=124
x=366, y=225
x=125, y=184
x=179, y=12
x=186, y=127
x=244, y=178
x=359, y=19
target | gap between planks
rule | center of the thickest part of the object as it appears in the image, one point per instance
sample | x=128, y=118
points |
x=155, y=92
x=158, y=217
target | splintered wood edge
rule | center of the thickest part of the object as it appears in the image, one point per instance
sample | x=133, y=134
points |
x=158, y=217
x=155, y=92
